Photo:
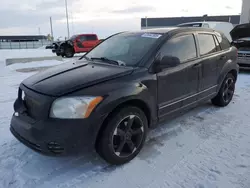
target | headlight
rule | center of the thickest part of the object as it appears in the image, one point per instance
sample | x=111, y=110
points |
x=74, y=107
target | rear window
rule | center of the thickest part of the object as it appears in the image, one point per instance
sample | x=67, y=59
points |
x=224, y=42
x=91, y=37
x=207, y=44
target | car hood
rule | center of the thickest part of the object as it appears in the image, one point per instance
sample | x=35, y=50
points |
x=240, y=31
x=69, y=77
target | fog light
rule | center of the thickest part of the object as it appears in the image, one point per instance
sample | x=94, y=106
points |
x=55, y=147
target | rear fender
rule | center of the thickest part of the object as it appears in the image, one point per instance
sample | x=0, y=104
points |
x=228, y=66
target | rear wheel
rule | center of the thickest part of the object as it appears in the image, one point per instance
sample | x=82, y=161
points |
x=226, y=92
x=124, y=136
x=58, y=54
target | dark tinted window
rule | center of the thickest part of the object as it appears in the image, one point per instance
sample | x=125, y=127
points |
x=207, y=44
x=91, y=37
x=82, y=38
x=182, y=47
x=224, y=42
x=218, y=48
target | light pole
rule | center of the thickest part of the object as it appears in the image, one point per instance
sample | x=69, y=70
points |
x=51, y=28
x=67, y=16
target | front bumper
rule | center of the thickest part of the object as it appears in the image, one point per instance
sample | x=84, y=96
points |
x=56, y=136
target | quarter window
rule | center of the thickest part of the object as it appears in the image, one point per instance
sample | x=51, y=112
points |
x=206, y=43
x=224, y=42
x=218, y=48
x=182, y=47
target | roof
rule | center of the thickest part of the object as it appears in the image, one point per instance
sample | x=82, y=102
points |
x=176, y=29
x=173, y=21
x=23, y=37
x=202, y=22
x=159, y=30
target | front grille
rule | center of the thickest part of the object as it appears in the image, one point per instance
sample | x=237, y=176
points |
x=31, y=106
x=244, y=55
x=36, y=105
x=244, y=65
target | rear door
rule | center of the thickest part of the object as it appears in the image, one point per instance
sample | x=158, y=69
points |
x=209, y=64
x=178, y=86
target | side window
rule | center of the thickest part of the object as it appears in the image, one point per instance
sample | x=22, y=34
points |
x=182, y=47
x=218, y=48
x=224, y=42
x=206, y=25
x=207, y=44
x=82, y=38
x=91, y=37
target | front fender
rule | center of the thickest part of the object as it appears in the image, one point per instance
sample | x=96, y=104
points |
x=130, y=92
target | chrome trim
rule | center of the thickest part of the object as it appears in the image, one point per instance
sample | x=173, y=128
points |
x=188, y=104
x=187, y=97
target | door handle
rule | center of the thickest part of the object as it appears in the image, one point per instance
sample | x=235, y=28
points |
x=223, y=57
x=197, y=65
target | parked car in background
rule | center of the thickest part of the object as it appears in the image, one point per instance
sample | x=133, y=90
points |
x=76, y=44
x=224, y=27
x=241, y=40
x=109, y=98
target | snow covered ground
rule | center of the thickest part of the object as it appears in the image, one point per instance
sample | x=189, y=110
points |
x=208, y=147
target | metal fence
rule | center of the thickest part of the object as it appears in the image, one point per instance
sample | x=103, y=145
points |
x=24, y=45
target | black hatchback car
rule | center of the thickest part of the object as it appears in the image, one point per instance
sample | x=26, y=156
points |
x=110, y=97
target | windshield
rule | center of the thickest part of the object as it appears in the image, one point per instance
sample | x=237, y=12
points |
x=128, y=48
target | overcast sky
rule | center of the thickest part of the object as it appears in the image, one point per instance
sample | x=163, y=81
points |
x=104, y=17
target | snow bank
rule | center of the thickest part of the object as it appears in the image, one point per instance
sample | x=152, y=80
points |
x=32, y=65
x=23, y=53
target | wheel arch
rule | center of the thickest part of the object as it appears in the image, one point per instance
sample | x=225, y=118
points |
x=132, y=102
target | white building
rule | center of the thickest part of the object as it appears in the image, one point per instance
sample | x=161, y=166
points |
x=245, y=13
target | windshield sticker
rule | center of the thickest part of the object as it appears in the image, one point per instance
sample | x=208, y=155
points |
x=151, y=35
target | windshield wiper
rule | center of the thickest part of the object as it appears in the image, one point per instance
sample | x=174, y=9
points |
x=84, y=58
x=106, y=60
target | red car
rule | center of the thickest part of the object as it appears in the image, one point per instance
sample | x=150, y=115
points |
x=76, y=44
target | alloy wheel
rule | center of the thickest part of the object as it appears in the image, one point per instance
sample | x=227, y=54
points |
x=128, y=136
x=228, y=90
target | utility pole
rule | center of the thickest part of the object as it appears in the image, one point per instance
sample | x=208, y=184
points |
x=146, y=19
x=67, y=17
x=39, y=31
x=51, y=28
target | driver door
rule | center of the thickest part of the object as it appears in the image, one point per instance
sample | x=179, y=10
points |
x=178, y=86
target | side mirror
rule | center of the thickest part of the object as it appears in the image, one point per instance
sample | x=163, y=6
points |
x=169, y=61
x=78, y=40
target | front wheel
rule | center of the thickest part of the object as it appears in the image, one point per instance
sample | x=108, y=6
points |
x=69, y=52
x=124, y=136
x=226, y=92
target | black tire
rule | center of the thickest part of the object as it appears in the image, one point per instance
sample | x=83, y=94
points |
x=114, y=145
x=58, y=54
x=69, y=52
x=225, y=95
